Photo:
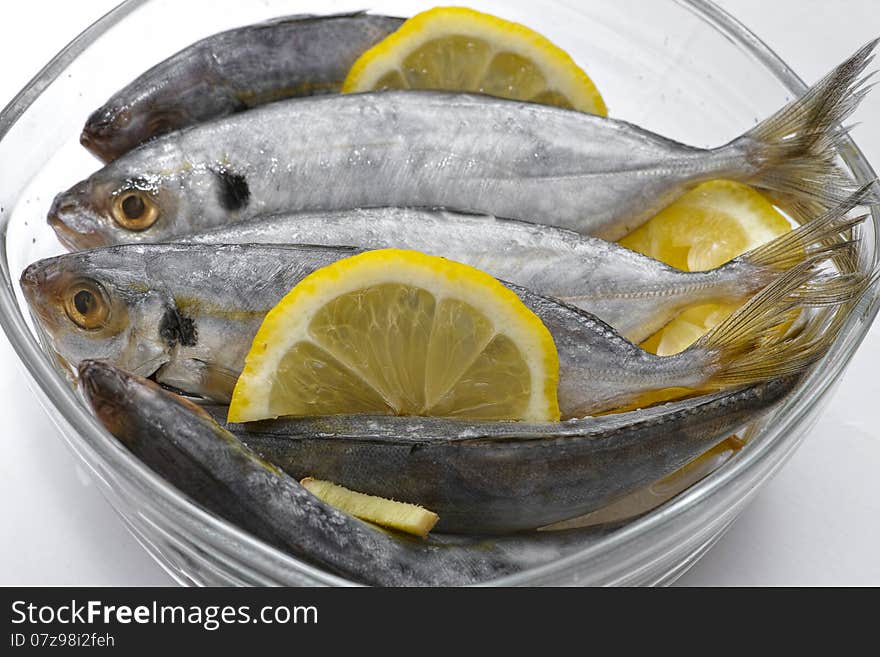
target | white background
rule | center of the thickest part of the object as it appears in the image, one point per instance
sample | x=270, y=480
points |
x=817, y=522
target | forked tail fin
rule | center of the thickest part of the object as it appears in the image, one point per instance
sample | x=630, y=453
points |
x=762, y=340
x=794, y=151
x=819, y=236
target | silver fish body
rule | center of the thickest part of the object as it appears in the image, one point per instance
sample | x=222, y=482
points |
x=474, y=153
x=634, y=294
x=496, y=477
x=232, y=71
x=187, y=314
x=184, y=445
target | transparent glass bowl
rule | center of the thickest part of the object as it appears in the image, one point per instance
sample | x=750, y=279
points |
x=684, y=69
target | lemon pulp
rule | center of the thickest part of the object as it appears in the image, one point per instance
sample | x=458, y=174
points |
x=709, y=225
x=399, y=332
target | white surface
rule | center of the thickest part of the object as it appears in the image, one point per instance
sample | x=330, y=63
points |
x=817, y=522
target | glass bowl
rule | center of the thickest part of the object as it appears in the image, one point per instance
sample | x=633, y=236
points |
x=683, y=68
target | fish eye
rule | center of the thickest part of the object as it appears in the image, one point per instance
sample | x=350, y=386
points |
x=86, y=305
x=135, y=210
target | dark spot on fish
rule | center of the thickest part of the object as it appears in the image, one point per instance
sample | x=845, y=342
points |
x=176, y=328
x=234, y=190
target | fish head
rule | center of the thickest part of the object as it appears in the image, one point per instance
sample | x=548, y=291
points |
x=152, y=194
x=109, y=391
x=107, y=132
x=119, y=127
x=112, y=207
x=98, y=305
x=134, y=409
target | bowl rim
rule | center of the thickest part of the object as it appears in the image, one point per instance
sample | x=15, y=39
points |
x=776, y=441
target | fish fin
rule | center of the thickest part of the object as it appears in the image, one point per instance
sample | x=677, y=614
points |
x=218, y=382
x=763, y=340
x=302, y=18
x=796, y=148
x=820, y=236
x=195, y=376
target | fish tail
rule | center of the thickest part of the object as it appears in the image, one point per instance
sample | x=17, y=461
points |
x=822, y=236
x=763, y=339
x=795, y=150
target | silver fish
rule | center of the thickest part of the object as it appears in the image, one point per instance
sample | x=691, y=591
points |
x=597, y=176
x=187, y=314
x=179, y=441
x=496, y=477
x=232, y=71
x=634, y=294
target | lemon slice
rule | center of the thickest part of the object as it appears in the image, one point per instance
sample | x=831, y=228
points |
x=459, y=49
x=703, y=229
x=399, y=332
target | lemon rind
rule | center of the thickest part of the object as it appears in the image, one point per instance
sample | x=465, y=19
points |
x=564, y=76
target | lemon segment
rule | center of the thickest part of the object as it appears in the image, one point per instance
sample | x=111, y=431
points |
x=687, y=328
x=399, y=332
x=706, y=227
x=459, y=49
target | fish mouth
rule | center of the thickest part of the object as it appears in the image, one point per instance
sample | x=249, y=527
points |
x=101, y=129
x=102, y=381
x=97, y=145
x=109, y=391
x=33, y=285
x=71, y=239
x=105, y=387
x=33, y=282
